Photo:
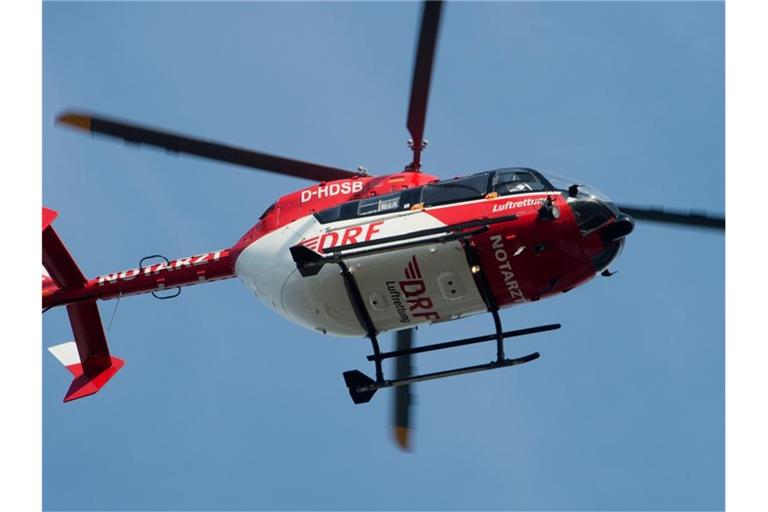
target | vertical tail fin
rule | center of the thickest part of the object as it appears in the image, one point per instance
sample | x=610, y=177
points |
x=88, y=357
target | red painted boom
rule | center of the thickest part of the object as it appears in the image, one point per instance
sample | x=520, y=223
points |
x=201, y=268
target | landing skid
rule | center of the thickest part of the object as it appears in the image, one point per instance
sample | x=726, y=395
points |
x=362, y=388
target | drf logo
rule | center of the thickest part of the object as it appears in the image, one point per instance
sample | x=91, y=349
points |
x=350, y=235
x=414, y=289
x=332, y=189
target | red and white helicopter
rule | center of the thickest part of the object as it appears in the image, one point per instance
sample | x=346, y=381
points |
x=359, y=255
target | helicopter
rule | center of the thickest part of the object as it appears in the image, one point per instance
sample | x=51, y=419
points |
x=359, y=255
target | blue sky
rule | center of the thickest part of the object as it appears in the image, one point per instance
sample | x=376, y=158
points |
x=224, y=405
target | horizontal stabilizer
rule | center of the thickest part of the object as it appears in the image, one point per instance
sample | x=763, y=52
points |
x=88, y=357
x=83, y=384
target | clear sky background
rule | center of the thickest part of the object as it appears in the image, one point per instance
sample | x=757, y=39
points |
x=224, y=405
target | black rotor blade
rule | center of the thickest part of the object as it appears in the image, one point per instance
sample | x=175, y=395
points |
x=182, y=144
x=422, y=70
x=662, y=215
x=402, y=398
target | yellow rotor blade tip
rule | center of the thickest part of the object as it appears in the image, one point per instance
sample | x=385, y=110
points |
x=76, y=120
x=402, y=436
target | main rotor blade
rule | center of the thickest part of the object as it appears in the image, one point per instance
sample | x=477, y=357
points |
x=662, y=215
x=422, y=70
x=203, y=148
x=402, y=397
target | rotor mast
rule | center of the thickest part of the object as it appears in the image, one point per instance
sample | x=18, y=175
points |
x=415, y=165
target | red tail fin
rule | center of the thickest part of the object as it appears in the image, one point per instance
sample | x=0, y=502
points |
x=88, y=358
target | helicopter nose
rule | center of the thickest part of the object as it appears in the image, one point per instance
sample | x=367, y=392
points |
x=608, y=242
x=621, y=227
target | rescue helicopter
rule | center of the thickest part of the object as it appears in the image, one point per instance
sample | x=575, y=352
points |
x=358, y=255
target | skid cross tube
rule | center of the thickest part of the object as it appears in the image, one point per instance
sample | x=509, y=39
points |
x=499, y=335
x=466, y=341
x=358, y=305
x=487, y=294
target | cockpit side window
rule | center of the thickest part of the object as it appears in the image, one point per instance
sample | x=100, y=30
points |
x=457, y=190
x=516, y=181
x=331, y=214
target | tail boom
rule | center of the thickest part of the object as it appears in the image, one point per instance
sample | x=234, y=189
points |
x=201, y=268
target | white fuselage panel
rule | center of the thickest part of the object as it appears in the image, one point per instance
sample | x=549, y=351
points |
x=400, y=288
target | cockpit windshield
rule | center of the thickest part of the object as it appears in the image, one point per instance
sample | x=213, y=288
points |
x=590, y=214
x=578, y=191
x=565, y=184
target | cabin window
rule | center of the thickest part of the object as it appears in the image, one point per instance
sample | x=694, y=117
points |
x=329, y=214
x=375, y=205
x=457, y=190
x=378, y=204
x=516, y=181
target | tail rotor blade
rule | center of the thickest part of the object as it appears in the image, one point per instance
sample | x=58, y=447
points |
x=402, y=394
x=203, y=148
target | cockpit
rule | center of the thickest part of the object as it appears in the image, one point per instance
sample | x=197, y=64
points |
x=596, y=214
x=593, y=211
x=457, y=190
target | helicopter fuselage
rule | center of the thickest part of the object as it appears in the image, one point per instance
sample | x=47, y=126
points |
x=471, y=245
x=520, y=260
